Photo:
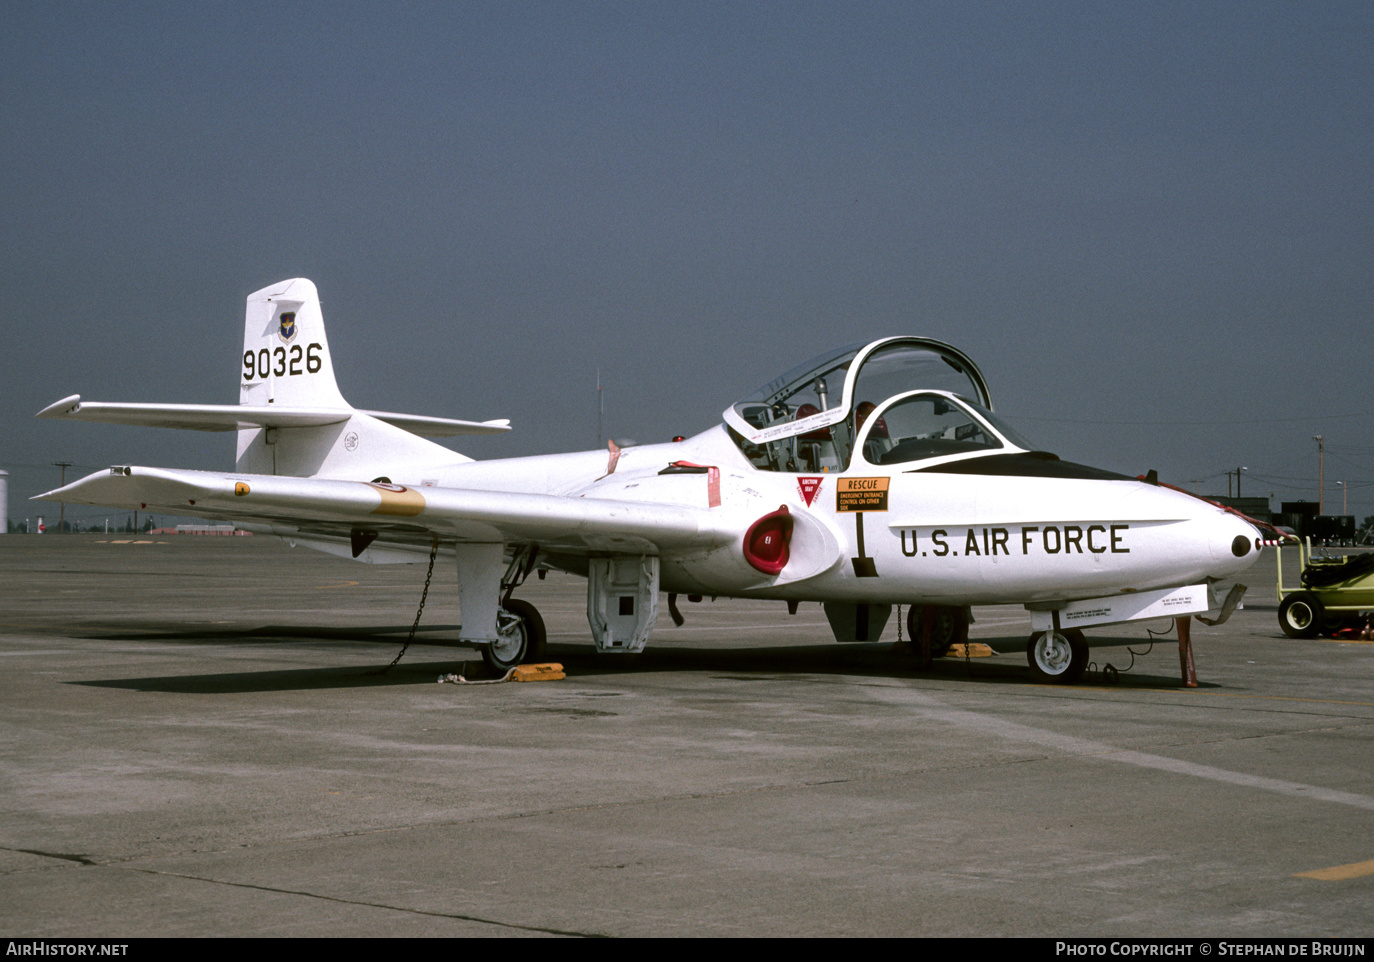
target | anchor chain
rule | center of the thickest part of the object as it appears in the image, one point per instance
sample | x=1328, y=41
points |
x=424, y=596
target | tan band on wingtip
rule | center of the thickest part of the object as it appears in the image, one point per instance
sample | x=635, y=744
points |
x=405, y=503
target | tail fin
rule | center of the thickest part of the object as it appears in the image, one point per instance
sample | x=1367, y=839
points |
x=291, y=418
x=286, y=364
x=285, y=352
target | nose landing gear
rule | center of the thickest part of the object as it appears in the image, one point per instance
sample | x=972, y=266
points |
x=1057, y=657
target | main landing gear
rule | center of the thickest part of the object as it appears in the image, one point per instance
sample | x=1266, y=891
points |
x=520, y=632
x=949, y=627
x=507, y=631
x=521, y=636
x=1059, y=657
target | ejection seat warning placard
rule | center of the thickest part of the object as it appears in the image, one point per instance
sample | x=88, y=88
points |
x=861, y=494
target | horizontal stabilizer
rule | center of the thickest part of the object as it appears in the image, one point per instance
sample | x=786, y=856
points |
x=233, y=417
x=192, y=417
x=427, y=427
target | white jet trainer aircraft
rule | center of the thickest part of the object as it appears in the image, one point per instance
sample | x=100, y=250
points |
x=870, y=476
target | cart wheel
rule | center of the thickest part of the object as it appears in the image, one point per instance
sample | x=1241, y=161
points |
x=1300, y=615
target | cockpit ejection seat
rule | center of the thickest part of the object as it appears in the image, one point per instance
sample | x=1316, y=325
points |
x=815, y=449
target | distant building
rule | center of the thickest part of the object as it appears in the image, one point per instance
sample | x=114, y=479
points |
x=1298, y=515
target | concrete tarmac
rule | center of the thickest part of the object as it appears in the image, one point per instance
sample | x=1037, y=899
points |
x=193, y=745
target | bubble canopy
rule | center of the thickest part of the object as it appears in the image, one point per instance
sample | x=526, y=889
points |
x=816, y=396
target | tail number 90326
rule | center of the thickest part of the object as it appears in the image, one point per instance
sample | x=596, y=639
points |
x=281, y=362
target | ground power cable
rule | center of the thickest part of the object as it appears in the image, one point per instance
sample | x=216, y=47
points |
x=1112, y=674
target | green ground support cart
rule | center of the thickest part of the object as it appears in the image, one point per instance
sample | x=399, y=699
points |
x=1334, y=591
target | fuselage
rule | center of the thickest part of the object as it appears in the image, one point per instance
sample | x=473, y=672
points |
x=928, y=536
x=874, y=473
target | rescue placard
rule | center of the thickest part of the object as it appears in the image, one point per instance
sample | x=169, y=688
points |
x=861, y=494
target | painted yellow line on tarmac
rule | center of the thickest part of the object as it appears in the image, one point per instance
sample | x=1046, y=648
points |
x=1339, y=873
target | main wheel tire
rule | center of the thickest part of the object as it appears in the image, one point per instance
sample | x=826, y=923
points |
x=539, y=635
x=1301, y=615
x=1059, y=657
x=949, y=628
x=522, y=641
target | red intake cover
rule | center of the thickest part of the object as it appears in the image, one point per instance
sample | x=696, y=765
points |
x=766, y=543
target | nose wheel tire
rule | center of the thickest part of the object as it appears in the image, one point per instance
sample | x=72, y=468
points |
x=1300, y=615
x=1059, y=657
x=522, y=636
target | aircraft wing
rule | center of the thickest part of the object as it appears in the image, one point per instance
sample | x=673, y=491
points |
x=405, y=514
x=232, y=417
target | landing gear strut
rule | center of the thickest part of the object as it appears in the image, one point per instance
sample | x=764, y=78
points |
x=520, y=632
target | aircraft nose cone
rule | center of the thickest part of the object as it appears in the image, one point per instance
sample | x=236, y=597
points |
x=1232, y=543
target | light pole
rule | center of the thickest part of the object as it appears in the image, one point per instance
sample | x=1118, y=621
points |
x=1321, y=473
x=1228, y=481
x=62, y=514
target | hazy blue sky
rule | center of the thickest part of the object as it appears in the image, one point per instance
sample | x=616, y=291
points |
x=1151, y=224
